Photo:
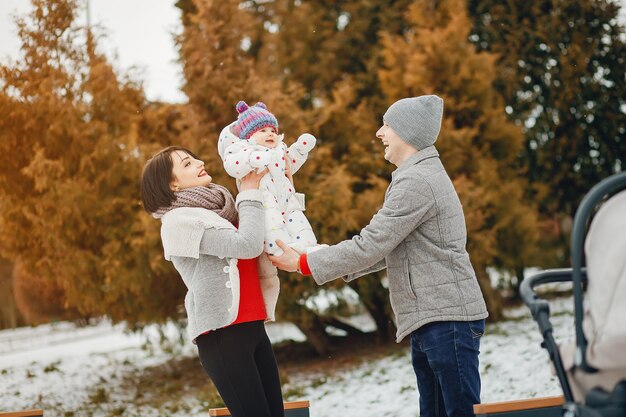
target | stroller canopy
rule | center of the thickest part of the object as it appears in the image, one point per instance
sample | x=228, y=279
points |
x=605, y=305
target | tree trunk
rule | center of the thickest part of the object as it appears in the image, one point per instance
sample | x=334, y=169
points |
x=10, y=317
x=375, y=298
x=519, y=274
x=315, y=332
x=338, y=323
x=493, y=299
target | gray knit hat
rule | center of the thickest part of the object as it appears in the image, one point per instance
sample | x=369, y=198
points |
x=417, y=120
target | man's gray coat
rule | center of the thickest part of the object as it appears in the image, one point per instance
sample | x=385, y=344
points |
x=419, y=235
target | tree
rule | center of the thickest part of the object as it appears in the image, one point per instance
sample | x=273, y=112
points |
x=32, y=99
x=220, y=67
x=69, y=175
x=334, y=50
x=320, y=43
x=478, y=145
x=561, y=73
x=331, y=55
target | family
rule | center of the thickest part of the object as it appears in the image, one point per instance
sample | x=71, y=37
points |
x=227, y=251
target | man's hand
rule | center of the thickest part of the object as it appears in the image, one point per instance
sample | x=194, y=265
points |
x=288, y=261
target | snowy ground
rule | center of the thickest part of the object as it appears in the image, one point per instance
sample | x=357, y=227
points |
x=55, y=367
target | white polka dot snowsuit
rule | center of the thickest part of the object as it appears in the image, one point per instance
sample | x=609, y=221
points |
x=284, y=217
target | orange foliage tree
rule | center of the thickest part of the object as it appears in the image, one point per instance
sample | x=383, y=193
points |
x=69, y=174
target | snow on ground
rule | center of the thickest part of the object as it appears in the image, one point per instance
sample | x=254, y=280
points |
x=513, y=366
x=54, y=366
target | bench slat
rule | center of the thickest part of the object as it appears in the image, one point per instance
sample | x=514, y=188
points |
x=291, y=405
x=517, y=405
x=24, y=413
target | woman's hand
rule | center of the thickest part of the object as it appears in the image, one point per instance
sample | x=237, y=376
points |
x=288, y=170
x=289, y=261
x=252, y=180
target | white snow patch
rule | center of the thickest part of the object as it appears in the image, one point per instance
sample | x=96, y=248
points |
x=54, y=366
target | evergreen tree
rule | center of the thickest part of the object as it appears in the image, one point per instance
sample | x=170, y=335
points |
x=334, y=49
x=35, y=96
x=319, y=43
x=70, y=215
x=221, y=67
x=561, y=73
x=478, y=145
x=332, y=56
x=219, y=71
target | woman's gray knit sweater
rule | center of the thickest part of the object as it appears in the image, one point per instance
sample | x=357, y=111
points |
x=204, y=249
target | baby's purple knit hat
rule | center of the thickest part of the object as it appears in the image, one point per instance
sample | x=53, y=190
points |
x=252, y=119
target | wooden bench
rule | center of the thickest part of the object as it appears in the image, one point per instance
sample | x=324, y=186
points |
x=292, y=409
x=25, y=413
x=535, y=407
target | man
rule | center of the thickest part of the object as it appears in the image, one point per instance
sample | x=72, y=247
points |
x=419, y=235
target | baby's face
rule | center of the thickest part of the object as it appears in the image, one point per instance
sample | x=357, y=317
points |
x=266, y=137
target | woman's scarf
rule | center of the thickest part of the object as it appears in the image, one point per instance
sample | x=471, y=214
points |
x=213, y=197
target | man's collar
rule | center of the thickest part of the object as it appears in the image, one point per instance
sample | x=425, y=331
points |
x=419, y=156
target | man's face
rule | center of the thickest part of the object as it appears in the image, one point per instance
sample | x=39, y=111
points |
x=396, y=150
x=266, y=137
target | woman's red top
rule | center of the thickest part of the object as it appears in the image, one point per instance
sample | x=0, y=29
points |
x=251, y=304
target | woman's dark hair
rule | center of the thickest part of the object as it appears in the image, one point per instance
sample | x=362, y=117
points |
x=156, y=178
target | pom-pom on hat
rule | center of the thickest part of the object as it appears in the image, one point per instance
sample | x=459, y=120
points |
x=252, y=119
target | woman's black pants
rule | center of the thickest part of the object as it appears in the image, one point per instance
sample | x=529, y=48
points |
x=240, y=361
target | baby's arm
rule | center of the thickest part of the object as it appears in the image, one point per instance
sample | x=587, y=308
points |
x=299, y=151
x=243, y=157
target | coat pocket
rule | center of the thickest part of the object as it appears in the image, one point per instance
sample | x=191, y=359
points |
x=409, y=279
x=401, y=292
x=400, y=279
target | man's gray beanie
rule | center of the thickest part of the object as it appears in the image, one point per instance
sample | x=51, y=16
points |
x=417, y=120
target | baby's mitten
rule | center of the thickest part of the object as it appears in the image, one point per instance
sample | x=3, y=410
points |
x=305, y=143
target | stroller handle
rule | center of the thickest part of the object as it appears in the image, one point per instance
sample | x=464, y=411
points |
x=539, y=308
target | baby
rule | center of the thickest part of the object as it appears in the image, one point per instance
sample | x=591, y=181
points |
x=253, y=143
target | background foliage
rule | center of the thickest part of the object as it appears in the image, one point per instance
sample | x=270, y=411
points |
x=534, y=116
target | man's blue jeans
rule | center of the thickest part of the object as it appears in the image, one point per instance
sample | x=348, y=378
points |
x=445, y=361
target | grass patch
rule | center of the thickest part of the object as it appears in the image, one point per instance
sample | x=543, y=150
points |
x=99, y=396
x=53, y=367
x=292, y=393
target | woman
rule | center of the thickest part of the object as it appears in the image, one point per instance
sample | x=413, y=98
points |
x=230, y=293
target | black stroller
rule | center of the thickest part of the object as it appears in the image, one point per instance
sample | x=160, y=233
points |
x=593, y=372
